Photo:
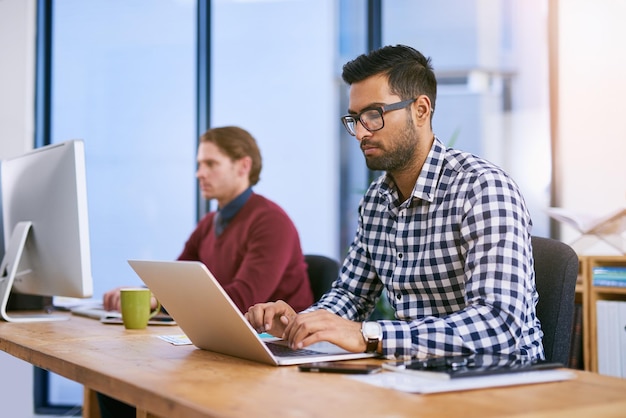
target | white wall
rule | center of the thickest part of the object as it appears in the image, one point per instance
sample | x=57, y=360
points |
x=17, y=68
x=17, y=47
x=591, y=158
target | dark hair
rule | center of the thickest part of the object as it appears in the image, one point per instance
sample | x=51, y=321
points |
x=410, y=73
x=236, y=143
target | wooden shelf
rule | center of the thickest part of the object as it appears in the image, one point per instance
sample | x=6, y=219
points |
x=588, y=295
x=609, y=290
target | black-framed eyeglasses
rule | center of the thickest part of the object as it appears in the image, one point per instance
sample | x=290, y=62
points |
x=372, y=119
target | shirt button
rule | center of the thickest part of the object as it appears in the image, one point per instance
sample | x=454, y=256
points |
x=398, y=296
x=400, y=256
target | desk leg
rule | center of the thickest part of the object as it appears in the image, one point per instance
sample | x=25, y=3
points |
x=90, y=404
x=144, y=414
x=92, y=410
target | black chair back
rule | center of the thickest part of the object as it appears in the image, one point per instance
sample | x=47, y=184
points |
x=556, y=271
x=323, y=271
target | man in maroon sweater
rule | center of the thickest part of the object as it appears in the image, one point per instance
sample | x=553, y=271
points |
x=249, y=243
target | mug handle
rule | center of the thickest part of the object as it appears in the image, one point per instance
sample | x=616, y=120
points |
x=156, y=310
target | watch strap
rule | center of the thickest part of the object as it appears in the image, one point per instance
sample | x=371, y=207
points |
x=371, y=339
x=371, y=345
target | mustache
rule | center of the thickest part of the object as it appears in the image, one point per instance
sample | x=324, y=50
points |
x=368, y=143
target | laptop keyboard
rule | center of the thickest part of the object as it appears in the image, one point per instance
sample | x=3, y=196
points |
x=95, y=312
x=282, y=350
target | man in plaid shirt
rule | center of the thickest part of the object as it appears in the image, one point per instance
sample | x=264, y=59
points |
x=445, y=233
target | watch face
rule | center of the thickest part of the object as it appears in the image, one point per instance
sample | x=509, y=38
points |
x=372, y=330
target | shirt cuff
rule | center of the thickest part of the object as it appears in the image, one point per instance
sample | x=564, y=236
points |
x=397, y=341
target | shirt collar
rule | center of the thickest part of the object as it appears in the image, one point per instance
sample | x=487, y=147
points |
x=228, y=212
x=427, y=180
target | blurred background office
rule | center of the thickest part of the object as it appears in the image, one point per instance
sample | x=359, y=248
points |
x=140, y=80
x=123, y=76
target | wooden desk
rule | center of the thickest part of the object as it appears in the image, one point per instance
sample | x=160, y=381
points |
x=182, y=381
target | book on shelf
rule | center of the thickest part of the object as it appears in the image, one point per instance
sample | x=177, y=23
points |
x=609, y=283
x=609, y=276
x=610, y=227
x=610, y=272
x=611, y=322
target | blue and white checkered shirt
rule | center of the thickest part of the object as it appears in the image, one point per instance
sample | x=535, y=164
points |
x=455, y=259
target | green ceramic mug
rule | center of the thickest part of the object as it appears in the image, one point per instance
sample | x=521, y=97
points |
x=136, y=307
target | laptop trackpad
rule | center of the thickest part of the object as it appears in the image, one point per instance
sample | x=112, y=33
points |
x=326, y=347
x=321, y=347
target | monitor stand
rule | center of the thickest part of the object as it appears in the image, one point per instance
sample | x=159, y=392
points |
x=8, y=273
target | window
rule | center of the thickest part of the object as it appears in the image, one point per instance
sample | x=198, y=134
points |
x=274, y=73
x=123, y=79
x=491, y=63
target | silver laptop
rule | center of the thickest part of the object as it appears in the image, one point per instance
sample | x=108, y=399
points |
x=206, y=314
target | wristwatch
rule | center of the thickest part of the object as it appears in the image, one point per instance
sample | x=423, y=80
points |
x=372, y=334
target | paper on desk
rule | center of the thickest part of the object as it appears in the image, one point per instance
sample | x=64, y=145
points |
x=179, y=339
x=418, y=384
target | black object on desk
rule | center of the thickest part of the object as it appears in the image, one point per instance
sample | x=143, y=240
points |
x=452, y=367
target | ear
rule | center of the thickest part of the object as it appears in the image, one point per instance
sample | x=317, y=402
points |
x=422, y=110
x=244, y=165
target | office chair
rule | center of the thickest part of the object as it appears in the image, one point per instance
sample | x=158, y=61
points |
x=556, y=271
x=323, y=271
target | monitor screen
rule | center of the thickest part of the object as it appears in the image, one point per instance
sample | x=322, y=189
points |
x=45, y=223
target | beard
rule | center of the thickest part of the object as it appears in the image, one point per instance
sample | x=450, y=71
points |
x=401, y=153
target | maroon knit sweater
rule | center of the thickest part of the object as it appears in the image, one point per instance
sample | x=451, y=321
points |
x=258, y=257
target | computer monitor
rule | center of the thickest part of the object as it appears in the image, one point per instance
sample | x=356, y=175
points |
x=46, y=228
